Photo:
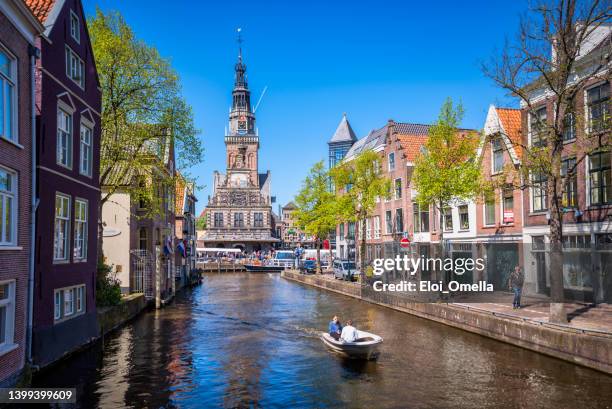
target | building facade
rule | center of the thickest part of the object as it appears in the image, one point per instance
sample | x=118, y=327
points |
x=185, y=232
x=500, y=217
x=587, y=194
x=239, y=213
x=18, y=32
x=139, y=223
x=291, y=234
x=68, y=100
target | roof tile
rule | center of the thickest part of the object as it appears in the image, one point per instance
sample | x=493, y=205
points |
x=40, y=8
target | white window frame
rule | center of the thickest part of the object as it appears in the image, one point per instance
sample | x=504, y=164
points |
x=377, y=227
x=74, y=64
x=85, y=148
x=78, y=222
x=66, y=219
x=368, y=229
x=9, y=325
x=467, y=207
x=68, y=130
x=484, y=214
x=75, y=31
x=13, y=195
x=78, y=303
x=6, y=82
x=493, y=150
x=389, y=161
x=587, y=110
x=395, y=188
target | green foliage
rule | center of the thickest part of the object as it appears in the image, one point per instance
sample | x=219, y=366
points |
x=316, y=205
x=143, y=112
x=108, y=288
x=200, y=223
x=362, y=183
x=448, y=169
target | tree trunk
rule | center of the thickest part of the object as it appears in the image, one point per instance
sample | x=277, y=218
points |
x=318, y=241
x=362, y=249
x=557, y=312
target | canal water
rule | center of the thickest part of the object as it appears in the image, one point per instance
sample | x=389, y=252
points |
x=242, y=340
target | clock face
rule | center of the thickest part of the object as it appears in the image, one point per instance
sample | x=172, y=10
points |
x=242, y=125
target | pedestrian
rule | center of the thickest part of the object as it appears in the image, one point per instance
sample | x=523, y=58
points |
x=515, y=283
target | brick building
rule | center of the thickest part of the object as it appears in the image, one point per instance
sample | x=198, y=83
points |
x=18, y=32
x=185, y=231
x=68, y=102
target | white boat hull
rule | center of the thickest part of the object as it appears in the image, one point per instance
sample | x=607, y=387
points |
x=366, y=346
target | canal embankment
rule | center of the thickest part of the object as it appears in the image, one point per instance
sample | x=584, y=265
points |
x=110, y=318
x=584, y=345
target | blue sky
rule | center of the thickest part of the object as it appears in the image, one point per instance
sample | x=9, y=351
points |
x=372, y=60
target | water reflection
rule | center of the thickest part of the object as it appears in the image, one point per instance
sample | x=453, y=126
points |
x=244, y=340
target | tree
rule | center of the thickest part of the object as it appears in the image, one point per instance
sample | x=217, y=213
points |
x=142, y=107
x=316, y=206
x=525, y=68
x=361, y=182
x=447, y=170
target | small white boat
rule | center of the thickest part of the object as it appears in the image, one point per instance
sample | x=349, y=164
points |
x=364, y=347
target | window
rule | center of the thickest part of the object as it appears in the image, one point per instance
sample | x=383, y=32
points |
x=420, y=218
x=497, y=149
x=8, y=207
x=368, y=229
x=238, y=220
x=598, y=105
x=218, y=221
x=351, y=231
x=69, y=302
x=389, y=222
x=508, y=205
x=8, y=97
x=80, y=299
x=569, y=127
x=64, y=138
x=399, y=220
x=62, y=227
x=75, y=31
x=398, y=188
x=568, y=172
x=464, y=217
x=80, y=229
x=538, y=127
x=490, y=212
x=341, y=233
x=7, y=313
x=258, y=220
x=143, y=239
x=86, y=151
x=74, y=68
x=392, y=161
x=377, y=227
x=538, y=192
x=448, y=219
x=599, y=178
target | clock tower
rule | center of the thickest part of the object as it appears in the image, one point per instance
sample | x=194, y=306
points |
x=239, y=213
x=242, y=139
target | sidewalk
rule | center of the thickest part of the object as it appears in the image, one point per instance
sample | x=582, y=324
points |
x=582, y=317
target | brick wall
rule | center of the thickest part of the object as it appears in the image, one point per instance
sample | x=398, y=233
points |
x=17, y=158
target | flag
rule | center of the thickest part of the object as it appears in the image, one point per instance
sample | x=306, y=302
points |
x=181, y=247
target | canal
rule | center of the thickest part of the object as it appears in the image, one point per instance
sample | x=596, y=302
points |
x=243, y=340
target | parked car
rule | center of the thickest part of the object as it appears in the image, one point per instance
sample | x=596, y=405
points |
x=345, y=270
x=308, y=266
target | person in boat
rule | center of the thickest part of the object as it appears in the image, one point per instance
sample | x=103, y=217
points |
x=349, y=333
x=335, y=328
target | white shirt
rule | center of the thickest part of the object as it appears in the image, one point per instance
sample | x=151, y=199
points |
x=349, y=333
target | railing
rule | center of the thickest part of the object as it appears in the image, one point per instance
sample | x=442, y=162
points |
x=142, y=270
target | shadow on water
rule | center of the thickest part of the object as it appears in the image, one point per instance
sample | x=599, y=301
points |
x=244, y=340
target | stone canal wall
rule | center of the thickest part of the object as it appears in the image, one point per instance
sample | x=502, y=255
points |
x=110, y=318
x=592, y=349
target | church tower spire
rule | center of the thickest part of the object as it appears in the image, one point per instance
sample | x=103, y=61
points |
x=242, y=118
